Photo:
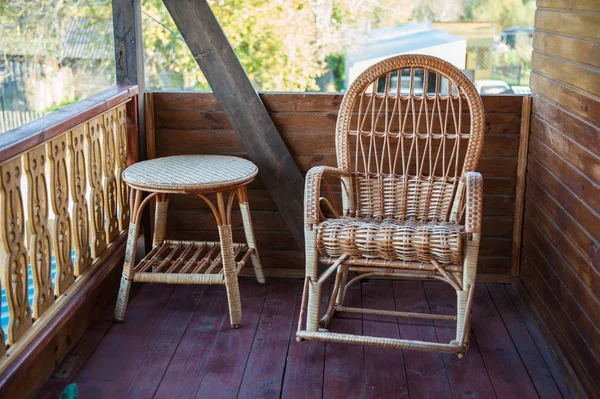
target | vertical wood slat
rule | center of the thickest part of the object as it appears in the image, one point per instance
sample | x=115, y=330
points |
x=96, y=197
x=13, y=255
x=520, y=190
x=39, y=248
x=150, y=146
x=109, y=181
x=123, y=213
x=79, y=209
x=61, y=231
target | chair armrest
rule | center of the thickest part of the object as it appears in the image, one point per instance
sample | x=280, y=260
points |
x=474, y=201
x=312, y=191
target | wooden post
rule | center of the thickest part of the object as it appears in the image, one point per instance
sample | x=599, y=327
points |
x=243, y=106
x=129, y=60
x=521, y=182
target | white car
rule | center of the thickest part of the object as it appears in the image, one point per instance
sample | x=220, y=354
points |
x=493, y=87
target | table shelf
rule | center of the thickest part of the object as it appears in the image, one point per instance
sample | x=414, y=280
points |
x=188, y=262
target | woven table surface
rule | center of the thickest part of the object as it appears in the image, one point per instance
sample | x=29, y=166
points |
x=190, y=173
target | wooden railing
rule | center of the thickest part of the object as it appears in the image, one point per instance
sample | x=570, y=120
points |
x=63, y=206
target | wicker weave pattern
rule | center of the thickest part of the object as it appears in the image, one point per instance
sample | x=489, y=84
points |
x=409, y=241
x=189, y=173
x=406, y=149
x=403, y=197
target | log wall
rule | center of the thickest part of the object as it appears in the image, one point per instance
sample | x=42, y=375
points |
x=560, y=253
x=193, y=123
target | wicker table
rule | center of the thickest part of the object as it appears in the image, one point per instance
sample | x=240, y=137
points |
x=191, y=262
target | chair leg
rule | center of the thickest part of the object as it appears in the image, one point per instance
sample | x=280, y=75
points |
x=312, y=286
x=231, y=279
x=341, y=294
x=337, y=295
x=249, y=232
x=313, y=305
x=465, y=296
x=464, y=304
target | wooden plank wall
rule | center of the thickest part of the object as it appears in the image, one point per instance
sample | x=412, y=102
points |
x=561, y=253
x=193, y=123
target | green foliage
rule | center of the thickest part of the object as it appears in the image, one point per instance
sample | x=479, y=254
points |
x=62, y=104
x=283, y=45
x=505, y=13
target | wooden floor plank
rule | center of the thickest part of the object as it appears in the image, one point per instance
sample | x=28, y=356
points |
x=164, y=343
x=384, y=368
x=539, y=342
x=78, y=356
x=185, y=371
x=225, y=367
x=305, y=362
x=344, y=375
x=102, y=375
x=531, y=357
x=264, y=371
x=468, y=376
x=503, y=363
x=158, y=348
x=424, y=370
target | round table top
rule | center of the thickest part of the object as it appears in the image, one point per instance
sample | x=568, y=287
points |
x=190, y=173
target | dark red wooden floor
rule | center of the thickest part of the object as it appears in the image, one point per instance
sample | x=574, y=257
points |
x=176, y=343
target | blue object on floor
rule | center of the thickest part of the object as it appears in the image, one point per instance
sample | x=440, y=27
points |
x=70, y=392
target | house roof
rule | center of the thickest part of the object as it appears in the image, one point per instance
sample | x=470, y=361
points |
x=83, y=38
x=400, y=39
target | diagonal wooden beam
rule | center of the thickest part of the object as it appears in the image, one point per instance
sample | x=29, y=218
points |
x=244, y=108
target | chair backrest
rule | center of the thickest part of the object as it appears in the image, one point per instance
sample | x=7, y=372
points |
x=407, y=129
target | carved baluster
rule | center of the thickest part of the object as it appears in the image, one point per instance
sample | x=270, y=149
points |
x=2, y=340
x=13, y=256
x=79, y=208
x=96, y=198
x=40, y=257
x=109, y=181
x=122, y=189
x=61, y=231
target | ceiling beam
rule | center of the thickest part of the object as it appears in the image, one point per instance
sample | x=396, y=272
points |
x=243, y=107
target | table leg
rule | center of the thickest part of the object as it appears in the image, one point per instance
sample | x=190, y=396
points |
x=249, y=232
x=229, y=266
x=231, y=277
x=222, y=214
x=160, y=219
x=137, y=206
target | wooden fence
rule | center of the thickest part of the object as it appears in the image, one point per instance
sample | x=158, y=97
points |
x=10, y=120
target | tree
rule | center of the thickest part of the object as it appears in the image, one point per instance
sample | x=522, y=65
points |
x=283, y=45
x=505, y=13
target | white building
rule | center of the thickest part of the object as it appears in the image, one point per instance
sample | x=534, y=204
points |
x=416, y=38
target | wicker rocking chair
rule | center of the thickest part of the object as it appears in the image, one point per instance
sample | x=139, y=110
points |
x=408, y=138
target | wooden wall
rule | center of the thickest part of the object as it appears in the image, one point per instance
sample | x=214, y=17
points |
x=193, y=123
x=560, y=253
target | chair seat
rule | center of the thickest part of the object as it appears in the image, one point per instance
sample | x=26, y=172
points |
x=405, y=240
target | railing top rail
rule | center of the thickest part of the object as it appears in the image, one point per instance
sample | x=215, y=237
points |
x=32, y=134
